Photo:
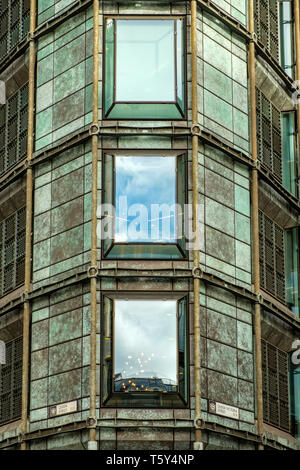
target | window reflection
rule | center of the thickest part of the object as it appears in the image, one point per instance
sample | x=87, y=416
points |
x=286, y=37
x=145, y=181
x=145, y=345
x=291, y=268
x=145, y=60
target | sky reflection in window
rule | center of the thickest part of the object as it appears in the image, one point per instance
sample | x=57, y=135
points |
x=145, y=345
x=145, y=180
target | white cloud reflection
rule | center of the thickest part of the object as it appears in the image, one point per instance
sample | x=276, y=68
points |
x=146, y=339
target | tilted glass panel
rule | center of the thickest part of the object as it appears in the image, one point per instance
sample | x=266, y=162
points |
x=144, y=251
x=107, y=230
x=182, y=348
x=107, y=319
x=180, y=63
x=295, y=398
x=181, y=199
x=288, y=152
x=145, y=198
x=145, y=60
x=286, y=37
x=145, y=345
x=291, y=283
x=145, y=111
x=109, y=63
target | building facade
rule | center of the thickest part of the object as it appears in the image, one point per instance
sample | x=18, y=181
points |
x=188, y=339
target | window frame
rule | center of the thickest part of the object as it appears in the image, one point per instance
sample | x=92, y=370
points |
x=144, y=153
x=175, y=400
x=292, y=39
x=182, y=112
x=293, y=116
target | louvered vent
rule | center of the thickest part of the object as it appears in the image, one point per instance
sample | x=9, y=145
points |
x=13, y=129
x=271, y=257
x=275, y=386
x=11, y=382
x=14, y=23
x=269, y=134
x=12, y=251
x=266, y=25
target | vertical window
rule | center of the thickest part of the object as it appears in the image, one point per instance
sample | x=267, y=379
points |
x=144, y=68
x=12, y=251
x=286, y=37
x=148, y=193
x=289, y=151
x=275, y=386
x=11, y=382
x=292, y=279
x=295, y=398
x=13, y=129
x=144, y=355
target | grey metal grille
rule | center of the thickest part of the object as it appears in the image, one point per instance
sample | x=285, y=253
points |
x=11, y=382
x=14, y=23
x=13, y=129
x=12, y=251
x=275, y=386
x=271, y=257
x=266, y=25
x=269, y=134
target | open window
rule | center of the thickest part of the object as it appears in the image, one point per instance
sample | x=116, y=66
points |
x=144, y=68
x=144, y=194
x=144, y=351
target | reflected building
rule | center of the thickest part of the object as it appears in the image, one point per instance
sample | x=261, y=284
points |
x=149, y=224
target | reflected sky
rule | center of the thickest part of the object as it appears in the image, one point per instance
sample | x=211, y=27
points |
x=145, y=69
x=144, y=180
x=145, y=339
x=286, y=44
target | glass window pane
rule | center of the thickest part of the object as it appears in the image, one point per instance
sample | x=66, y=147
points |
x=180, y=63
x=145, y=192
x=145, y=345
x=295, y=397
x=107, y=346
x=292, y=270
x=144, y=251
x=108, y=200
x=109, y=64
x=286, y=37
x=145, y=60
x=288, y=151
x=145, y=111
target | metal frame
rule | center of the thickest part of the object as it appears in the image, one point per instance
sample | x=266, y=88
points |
x=144, y=17
x=135, y=296
x=145, y=153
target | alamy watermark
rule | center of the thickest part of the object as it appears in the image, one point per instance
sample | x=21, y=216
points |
x=295, y=358
x=154, y=223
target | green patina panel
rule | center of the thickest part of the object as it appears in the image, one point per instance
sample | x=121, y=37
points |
x=63, y=96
